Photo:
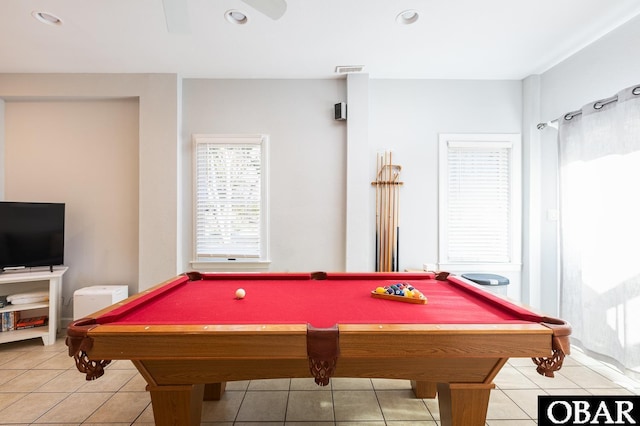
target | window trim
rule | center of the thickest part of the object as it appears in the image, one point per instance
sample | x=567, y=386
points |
x=513, y=140
x=262, y=262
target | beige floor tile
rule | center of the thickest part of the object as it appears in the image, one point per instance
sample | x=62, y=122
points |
x=270, y=385
x=121, y=364
x=567, y=392
x=263, y=406
x=413, y=423
x=146, y=417
x=611, y=391
x=6, y=357
x=501, y=407
x=586, y=378
x=526, y=399
x=136, y=384
x=362, y=423
x=511, y=423
x=29, y=381
x=7, y=399
x=7, y=375
x=318, y=423
x=309, y=406
x=121, y=407
x=390, y=384
x=309, y=384
x=31, y=406
x=402, y=405
x=226, y=409
x=111, y=381
x=521, y=362
x=75, y=409
x=240, y=385
x=616, y=376
x=340, y=383
x=578, y=356
x=29, y=360
x=107, y=424
x=59, y=361
x=356, y=406
x=512, y=378
x=433, y=407
x=66, y=381
x=558, y=382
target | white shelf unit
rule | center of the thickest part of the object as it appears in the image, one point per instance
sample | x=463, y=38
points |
x=32, y=280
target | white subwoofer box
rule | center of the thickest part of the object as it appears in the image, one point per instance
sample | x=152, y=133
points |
x=88, y=300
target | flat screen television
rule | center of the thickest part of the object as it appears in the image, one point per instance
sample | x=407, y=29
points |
x=31, y=235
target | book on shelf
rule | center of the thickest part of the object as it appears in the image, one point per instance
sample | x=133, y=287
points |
x=9, y=321
x=23, y=323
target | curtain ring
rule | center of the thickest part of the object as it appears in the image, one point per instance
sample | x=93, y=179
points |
x=568, y=116
x=636, y=90
x=598, y=105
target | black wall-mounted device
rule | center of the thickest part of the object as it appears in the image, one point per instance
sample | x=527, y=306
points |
x=340, y=111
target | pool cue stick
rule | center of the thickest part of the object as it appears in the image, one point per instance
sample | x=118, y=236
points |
x=393, y=219
x=397, y=212
x=388, y=213
x=377, y=253
x=382, y=207
x=391, y=195
x=383, y=212
x=380, y=210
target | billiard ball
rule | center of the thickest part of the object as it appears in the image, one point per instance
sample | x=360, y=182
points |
x=240, y=293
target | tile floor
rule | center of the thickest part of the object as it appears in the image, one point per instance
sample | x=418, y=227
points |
x=39, y=385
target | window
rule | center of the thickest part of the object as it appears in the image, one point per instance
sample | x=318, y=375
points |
x=479, y=201
x=230, y=200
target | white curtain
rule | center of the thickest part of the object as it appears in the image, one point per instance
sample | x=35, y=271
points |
x=600, y=227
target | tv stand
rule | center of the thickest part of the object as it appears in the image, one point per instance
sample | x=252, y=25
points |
x=24, y=281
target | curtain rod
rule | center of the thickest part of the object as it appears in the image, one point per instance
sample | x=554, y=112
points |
x=596, y=105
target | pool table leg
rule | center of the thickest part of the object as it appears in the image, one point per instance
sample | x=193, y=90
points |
x=179, y=405
x=214, y=391
x=424, y=389
x=463, y=404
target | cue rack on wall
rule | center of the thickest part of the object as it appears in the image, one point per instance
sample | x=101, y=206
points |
x=387, y=186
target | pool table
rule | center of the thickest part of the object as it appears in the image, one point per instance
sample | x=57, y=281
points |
x=190, y=335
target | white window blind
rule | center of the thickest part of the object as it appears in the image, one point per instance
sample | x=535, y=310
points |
x=479, y=201
x=229, y=205
x=479, y=216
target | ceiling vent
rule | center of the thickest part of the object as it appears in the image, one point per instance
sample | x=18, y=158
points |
x=347, y=69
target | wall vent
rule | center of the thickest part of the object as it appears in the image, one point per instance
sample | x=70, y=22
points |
x=346, y=69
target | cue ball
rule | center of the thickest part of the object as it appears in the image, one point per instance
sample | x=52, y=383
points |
x=240, y=293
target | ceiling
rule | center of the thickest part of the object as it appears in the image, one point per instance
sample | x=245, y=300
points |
x=452, y=39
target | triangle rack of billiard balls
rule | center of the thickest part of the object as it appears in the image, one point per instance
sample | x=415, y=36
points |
x=400, y=292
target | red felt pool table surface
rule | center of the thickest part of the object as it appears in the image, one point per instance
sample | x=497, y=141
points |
x=189, y=335
x=298, y=299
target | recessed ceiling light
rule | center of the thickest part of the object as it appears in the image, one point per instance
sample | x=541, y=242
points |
x=407, y=17
x=46, y=18
x=236, y=17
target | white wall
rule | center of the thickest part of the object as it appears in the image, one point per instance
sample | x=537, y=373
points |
x=310, y=163
x=307, y=161
x=83, y=154
x=157, y=181
x=598, y=71
x=406, y=117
